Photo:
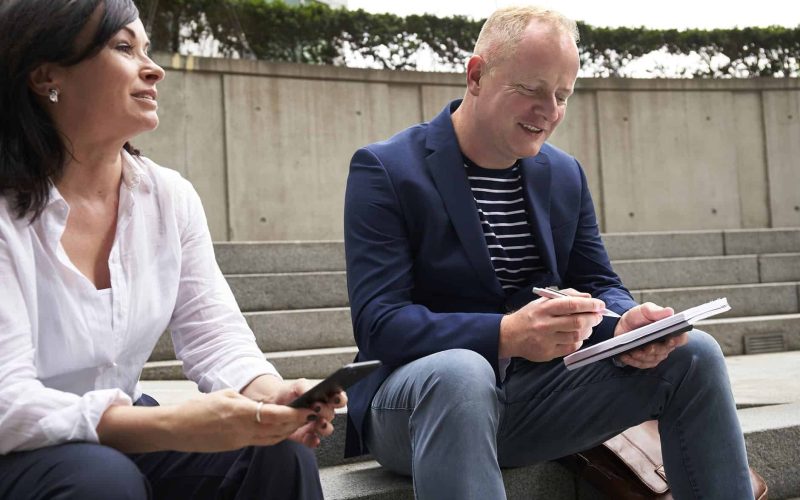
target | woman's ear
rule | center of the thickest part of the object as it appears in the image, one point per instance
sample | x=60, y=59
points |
x=44, y=79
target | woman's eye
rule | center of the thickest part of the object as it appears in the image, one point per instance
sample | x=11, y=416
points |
x=125, y=47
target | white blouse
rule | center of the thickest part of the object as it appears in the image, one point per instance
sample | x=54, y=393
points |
x=69, y=351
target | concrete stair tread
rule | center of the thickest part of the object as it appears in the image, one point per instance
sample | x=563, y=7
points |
x=757, y=380
x=272, y=256
x=310, y=363
x=730, y=332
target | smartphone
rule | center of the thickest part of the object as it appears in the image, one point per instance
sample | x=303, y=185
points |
x=337, y=381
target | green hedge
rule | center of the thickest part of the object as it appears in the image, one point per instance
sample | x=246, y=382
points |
x=318, y=34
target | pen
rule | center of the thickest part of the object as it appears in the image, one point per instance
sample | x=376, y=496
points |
x=554, y=294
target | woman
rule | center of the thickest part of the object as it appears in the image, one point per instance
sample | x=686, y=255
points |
x=100, y=251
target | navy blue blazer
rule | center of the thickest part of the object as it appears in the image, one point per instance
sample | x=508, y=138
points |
x=419, y=275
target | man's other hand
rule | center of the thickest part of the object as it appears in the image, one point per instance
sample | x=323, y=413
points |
x=652, y=354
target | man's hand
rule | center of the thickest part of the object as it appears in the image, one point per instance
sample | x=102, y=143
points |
x=650, y=355
x=549, y=328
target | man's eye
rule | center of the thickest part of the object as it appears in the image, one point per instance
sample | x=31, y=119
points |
x=561, y=100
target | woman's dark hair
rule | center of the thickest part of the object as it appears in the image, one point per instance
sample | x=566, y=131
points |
x=32, y=154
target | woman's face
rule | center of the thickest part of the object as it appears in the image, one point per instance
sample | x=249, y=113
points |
x=112, y=95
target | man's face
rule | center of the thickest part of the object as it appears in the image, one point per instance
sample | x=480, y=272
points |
x=524, y=98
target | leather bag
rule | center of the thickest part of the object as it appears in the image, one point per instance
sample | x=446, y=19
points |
x=629, y=466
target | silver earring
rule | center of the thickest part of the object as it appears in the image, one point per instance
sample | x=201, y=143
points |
x=53, y=95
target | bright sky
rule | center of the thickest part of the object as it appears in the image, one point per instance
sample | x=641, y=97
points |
x=660, y=14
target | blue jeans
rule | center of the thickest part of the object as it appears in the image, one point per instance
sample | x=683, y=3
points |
x=444, y=421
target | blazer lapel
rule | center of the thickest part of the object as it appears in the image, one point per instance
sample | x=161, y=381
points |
x=446, y=166
x=536, y=181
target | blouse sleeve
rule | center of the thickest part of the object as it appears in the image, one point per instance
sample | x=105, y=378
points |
x=210, y=335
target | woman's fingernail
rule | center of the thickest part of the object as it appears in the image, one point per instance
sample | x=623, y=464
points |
x=317, y=408
x=337, y=400
x=311, y=418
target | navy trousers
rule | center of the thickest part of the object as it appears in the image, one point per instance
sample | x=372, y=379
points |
x=90, y=471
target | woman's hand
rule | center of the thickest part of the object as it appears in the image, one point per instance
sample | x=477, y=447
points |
x=271, y=389
x=226, y=420
x=220, y=421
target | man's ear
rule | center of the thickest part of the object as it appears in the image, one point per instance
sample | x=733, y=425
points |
x=44, y=78
x=476, y=70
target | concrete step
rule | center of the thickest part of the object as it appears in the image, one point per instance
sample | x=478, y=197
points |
x=271, y=292
x=308, y=290
x=308, y=363
x=757, y=380
x=279, y=256
x=331, y=327
x=772, y=434
x=731, y=333
x=746, y=300
x=307, y=256
x=706, y=271
x=286, y=331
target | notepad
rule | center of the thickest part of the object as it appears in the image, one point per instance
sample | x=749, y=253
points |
x=657, y=331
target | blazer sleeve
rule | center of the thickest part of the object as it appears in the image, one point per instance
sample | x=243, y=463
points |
x=388, y=325
x=589, y=268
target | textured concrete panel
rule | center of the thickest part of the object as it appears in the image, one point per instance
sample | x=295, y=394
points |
x=691, y=271
x=657, y=245
x=279, y=256
x=271, y=292
x=745, y=300
x=436, y=97
x=779, y=267
x=289, y=146
x=404, y=107
x=578, y=136
x=668, y=162
x=751, y=164
x=191, y=139
x=749, y=241
x=782, y=130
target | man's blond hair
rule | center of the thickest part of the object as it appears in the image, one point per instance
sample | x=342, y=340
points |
x=503, y=30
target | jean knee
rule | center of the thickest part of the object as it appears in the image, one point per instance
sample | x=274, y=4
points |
x=461, y=373
x=96, y=471
x=703, y=356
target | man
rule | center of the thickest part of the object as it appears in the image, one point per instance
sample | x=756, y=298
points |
x=448, y=225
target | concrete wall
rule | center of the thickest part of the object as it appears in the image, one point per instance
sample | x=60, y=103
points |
x=267, y=145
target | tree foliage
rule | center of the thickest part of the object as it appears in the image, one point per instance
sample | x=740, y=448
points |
x=317, y=34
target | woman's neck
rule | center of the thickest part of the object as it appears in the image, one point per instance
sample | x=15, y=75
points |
x=91, y=173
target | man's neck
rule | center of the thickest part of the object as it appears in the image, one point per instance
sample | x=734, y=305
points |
x=473, y=142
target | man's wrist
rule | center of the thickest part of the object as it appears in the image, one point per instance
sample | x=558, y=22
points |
x=503, y=344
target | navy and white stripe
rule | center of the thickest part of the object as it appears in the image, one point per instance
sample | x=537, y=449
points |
x=501, y=207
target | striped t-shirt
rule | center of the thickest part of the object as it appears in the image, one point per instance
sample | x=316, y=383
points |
x=501, y=207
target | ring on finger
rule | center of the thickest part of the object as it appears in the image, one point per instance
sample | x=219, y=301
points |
x=258, y=411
